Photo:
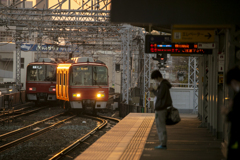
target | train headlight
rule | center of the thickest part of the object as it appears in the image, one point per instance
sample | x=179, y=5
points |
x=32, y=89
x=100, y=95
x=52, y=89
x=76, y=95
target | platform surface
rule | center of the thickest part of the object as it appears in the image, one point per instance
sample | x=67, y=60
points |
x=125, y=140
x=136, y=136
x=186, y=141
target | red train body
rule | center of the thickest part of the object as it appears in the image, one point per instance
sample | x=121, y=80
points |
x=41, y=81
x=82, y=84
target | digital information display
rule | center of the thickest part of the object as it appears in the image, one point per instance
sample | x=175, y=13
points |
x=162, y=44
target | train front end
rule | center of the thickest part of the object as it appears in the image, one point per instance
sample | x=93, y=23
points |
x=41, y=81
x=87, y=86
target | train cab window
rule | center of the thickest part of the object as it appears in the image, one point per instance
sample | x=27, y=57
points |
x=81, y=76
x=88, y=75
x=37, y=72
x=100, y=75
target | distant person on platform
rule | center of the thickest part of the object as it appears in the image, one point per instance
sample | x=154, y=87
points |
x=162, y=101
x=232, y=114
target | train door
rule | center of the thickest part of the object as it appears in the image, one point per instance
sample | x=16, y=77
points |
x=64, y=81
x=66, y=84
x=58, y=85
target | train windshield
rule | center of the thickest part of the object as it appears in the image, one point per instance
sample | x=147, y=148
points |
x=41, y=73
x=89, y=75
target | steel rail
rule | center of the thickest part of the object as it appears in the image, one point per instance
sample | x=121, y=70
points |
x=82, y=139
x=19, y=115
x=8, y=134
x=110, y=118
x=20, y=140
x=9, y=112
x=24, y=104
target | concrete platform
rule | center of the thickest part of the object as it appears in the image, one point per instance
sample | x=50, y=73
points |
x=185, y=142
x=135, y=138
x=125, y=140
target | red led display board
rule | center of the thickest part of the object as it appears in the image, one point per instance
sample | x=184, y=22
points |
x=162, y=44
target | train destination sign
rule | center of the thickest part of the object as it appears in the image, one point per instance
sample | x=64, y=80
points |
x=155, y=45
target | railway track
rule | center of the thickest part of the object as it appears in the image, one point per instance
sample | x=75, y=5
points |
x=80, y=141
x=12, y=111
x=15, y=110
x=32, y=134
x=11, y=116
x=2, y=109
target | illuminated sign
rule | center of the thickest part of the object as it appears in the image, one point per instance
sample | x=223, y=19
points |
x=192, y=36
x=37, y=67
x=84, y=68
x=159, y=44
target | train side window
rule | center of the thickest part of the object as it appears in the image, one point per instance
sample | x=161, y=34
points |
x=60, y=85
x=64, y=79
x=66, y=93
x=60, y=79
x=57, y=84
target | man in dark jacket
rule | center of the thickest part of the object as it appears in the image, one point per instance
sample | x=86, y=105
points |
x=232, y=114
x=162, y=101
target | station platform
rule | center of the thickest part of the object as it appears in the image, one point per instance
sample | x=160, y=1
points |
x=135, y=137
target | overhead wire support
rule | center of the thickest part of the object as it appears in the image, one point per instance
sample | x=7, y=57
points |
x=193, y=80
x=59, y=4
x=84, y=27
x=125, y=36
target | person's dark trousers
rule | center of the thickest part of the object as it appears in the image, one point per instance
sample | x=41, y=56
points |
x=160, y=118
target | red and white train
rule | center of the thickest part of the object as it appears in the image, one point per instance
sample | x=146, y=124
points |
x=41, y=80
x=82, y=83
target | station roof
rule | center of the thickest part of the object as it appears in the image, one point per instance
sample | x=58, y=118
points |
x=161, y=15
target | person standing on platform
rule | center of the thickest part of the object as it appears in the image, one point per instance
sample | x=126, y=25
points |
x=162, y=101
x=232, y=114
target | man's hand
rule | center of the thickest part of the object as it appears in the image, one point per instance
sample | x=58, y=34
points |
x=150, y=89
x=226, y=109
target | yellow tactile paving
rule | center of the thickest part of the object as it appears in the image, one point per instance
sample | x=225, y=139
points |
x=125, y=140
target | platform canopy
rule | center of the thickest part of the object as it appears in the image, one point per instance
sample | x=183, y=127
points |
x=161, y=14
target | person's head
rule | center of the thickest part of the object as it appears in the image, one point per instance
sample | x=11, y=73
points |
x=233, y=78
x=156, y=75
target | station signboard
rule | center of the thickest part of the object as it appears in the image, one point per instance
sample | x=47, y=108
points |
x=47, y=48
x=191, y=36
x=163, y=44
x=206, y=45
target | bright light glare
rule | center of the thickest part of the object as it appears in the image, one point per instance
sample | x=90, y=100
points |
x=98, y=95
x=76, y=95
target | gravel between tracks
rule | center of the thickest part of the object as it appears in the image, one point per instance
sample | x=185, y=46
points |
x=29, y=119
x=47, y=144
